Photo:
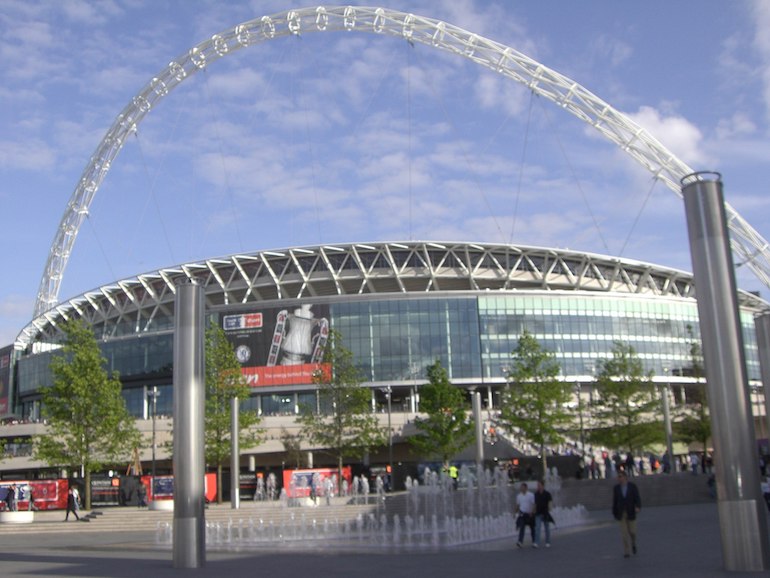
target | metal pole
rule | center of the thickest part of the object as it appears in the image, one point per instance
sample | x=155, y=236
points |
x=664, y=394
x=742, y=517
x=578, y=390
x=235, y=457
x=762, y=328
x=390, y=441
x=154, y=395
x=476, y=401
x=189, y=408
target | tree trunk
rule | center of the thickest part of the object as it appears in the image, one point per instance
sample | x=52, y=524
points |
x=219, y=483
x=339, y=475
x=545, y=460
x=87, y=489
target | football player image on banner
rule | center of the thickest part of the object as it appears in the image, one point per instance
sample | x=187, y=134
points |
x=279, y=346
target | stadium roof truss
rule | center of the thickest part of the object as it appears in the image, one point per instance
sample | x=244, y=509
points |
x=385, y=269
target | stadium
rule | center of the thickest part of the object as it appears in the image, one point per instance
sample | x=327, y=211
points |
x=399, y=307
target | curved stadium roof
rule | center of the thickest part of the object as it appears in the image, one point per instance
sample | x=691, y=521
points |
x=371, y=268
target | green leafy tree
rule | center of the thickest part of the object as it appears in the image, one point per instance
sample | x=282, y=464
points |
x=625, y=406
x=695, y=425
x=292, y=445
x=224, y=381
x=534, y=400
x=88, y=423
x=445, y=430
x=346, y=426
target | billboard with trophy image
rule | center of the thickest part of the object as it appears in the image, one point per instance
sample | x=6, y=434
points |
x=279, y=346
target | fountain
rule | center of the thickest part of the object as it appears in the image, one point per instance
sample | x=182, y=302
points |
x=431, y=516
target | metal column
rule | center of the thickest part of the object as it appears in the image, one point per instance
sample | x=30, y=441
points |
x=762, y=327
x=235, y=455
x=476, y=401
x=664, y=394
x=189, y=408
x=742, y=515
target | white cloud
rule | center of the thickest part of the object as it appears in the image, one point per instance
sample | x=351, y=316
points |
x=761, y=18
x=28, y=154
x=611, y=49
x=676, y=133
x=737, y=125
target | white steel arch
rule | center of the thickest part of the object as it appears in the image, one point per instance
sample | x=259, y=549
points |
x=747, y=243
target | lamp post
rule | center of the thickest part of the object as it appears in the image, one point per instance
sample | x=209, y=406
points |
x=152, y=395
x=578, y=391
x=664, y=391
x=388, y=394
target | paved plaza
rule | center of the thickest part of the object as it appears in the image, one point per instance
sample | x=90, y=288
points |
x=673, y=541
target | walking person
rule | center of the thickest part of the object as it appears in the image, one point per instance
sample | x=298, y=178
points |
x=71, y=505
x=626, y=504
x=543, y=501
x=10, y=499
x=525, y=508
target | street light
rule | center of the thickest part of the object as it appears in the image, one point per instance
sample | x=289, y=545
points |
x=388, y=391
x=667, y=423
x=578, y=390
x=152, y=395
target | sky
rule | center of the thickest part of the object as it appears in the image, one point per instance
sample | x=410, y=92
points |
x=340, y=137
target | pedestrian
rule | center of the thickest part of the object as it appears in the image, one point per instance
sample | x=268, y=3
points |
x=141, y=494
x=31, y=503
x=525, y=510
x=10, y=498
x=543, y=502
x=71, y=505
x=626, y=504
x=76, y=493
x=694, y=463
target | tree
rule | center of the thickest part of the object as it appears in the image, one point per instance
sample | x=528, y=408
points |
x=445, y=430
x=534, y=400
x=625, y=405
x=292, y=445
x=88, y=423
x=224, y=381
x=695, y=426
x=345, y=427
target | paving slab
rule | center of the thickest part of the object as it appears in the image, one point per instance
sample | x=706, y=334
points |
x=673, y=541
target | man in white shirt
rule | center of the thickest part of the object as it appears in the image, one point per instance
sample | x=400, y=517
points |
x=525, y=508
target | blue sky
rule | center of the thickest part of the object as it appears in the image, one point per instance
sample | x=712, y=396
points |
x=345, y=137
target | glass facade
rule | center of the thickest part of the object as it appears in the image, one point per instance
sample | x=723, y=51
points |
x=581, y=330
x=393, y=340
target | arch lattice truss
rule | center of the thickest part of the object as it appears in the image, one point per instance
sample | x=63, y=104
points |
x=747, y=243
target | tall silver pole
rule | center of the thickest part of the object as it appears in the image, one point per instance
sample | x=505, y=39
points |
x=742, y=515
x=235, y=457
x=664, y=394
x=390, y=441
x=476, y=397
x=189, y=407
x=762, y=328
x=154, y=393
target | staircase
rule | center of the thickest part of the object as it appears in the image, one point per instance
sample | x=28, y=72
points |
x=596, y=495
x=130, y=519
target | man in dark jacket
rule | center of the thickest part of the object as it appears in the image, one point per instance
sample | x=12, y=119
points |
x=626, y=504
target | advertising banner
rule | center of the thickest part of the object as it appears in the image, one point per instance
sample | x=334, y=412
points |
x=36, y=495
x=279, y=346
x=5, y=378
x=312, y=483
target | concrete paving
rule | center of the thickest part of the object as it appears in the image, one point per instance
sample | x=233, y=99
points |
x=673, y=541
